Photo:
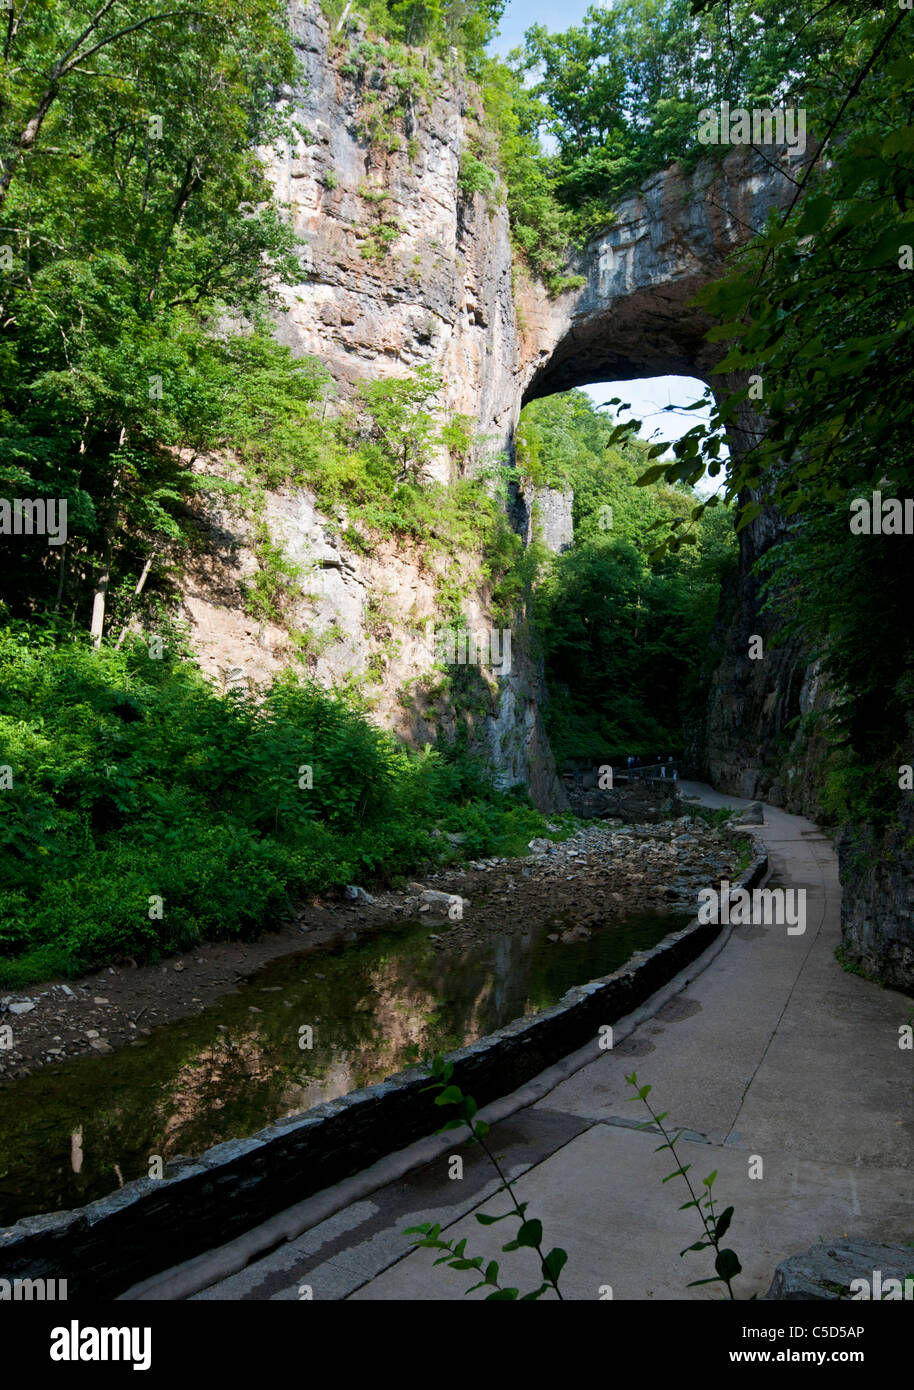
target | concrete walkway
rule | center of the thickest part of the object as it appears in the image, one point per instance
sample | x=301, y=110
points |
x=776, y=1060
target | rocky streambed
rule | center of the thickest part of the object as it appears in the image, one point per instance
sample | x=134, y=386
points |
x=598, y=876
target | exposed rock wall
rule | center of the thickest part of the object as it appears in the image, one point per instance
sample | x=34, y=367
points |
x=443, y=292
x=631, y=317
x=758, y=744
x=758, y=690
x=877, y=903
x=764, y=681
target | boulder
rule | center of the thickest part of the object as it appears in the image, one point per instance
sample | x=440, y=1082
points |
x=829, y=1270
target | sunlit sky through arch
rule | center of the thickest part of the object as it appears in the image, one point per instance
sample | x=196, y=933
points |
x=648, y=397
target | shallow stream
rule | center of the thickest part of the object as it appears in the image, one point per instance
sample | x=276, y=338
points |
x=78, y=1130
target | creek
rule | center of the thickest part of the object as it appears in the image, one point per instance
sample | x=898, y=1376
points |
x=77, y=1130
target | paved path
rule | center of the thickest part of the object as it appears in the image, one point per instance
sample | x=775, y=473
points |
x=771, y=1052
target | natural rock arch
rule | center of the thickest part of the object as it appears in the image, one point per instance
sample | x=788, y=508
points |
x=632, y=317
x=447, y=292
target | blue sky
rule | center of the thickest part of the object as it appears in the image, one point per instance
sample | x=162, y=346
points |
x=647, y=397
x=520, y=15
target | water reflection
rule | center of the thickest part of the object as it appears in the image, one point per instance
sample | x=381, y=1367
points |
x=77, y=1130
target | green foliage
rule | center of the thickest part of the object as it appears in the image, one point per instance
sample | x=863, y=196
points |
x=621, y=93
x=396, y=87
x=530, y=1231
x=133, y=778
x=398, y=423
x=268, y=594
x=625, y=635
x=715, y=1225
x=433, y=25
x=541, y=227
x=380, y=238
x=132, y=233
x=459, y=438
x=491, y=829
x=620, y=96
x=474, y=176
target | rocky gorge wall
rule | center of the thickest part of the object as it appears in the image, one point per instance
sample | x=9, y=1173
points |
x=437, y=290
x=402, y=268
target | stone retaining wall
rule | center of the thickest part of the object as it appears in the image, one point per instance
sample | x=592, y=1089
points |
x=150, y=1225
x=634, y=798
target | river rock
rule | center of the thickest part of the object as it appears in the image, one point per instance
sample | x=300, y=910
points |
x=356, y=894
x=433, y=896
x=23, y=1006
x=827, y=1271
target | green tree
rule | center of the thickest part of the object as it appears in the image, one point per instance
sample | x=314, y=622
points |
x=625, y=632
x=398, y=416
x=820, y=309
x=140, y=222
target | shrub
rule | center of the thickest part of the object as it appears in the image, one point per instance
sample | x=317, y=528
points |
x=138, y=786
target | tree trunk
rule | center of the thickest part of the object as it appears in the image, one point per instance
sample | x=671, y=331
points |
x=137, y=591
x=100, y=594
x=27, y=138
x=61, y=577
x=99, y=597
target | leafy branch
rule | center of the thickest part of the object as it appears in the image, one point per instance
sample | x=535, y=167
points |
x=530, y=1233
x=726, y=1262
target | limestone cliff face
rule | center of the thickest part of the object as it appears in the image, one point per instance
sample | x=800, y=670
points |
x=444, y=291
x=401, y=268
x=631, y=316
x=441, y=291
x=398, y=269
x=759, y=690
